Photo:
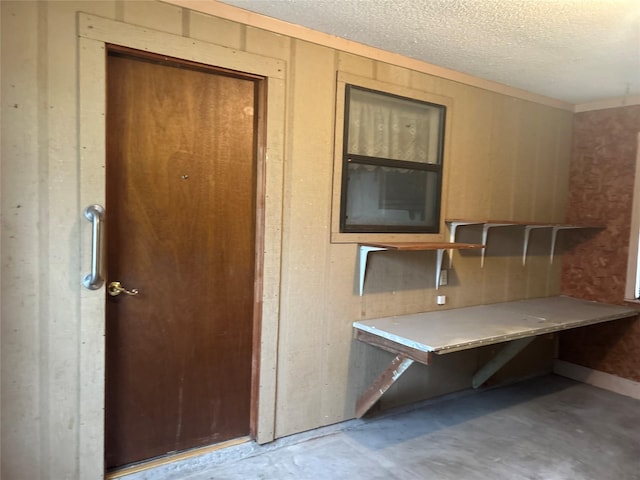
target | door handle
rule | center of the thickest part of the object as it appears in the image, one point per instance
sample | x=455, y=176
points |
x=116, y=288
x=95, y=279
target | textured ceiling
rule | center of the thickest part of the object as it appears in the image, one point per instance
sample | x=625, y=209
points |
x=578, y=51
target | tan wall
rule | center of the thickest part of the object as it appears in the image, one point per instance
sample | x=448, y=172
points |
x=509, y=159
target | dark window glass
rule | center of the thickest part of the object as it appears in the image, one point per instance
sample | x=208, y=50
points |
x=392, y=163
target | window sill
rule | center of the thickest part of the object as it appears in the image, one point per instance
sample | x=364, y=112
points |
x=340, y=237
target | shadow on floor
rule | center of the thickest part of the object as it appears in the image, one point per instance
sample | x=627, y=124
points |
x=426, y=418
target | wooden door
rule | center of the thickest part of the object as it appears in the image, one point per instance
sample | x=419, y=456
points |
x=181, y=229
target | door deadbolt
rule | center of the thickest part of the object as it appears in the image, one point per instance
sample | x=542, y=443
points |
x=116, y=288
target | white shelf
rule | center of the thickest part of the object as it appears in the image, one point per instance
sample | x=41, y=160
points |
x=440, y=248
x=528, y=226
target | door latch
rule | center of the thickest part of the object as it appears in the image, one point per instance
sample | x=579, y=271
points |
x=116, y=288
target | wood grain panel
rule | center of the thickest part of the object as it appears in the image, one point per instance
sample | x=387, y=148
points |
x=469, y=172
x=525, y=163
x=545, y=172
x=503, y=156
x=21, y=319
x=355, y=64
x=305, y=335
x=162, y=16
x=264, y=43
x=563, y=128
x=181, y=229
x=215, y=30
x=385, y=72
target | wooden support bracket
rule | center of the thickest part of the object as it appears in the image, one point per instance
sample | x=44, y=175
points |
x=503, y=357
x=398, y=366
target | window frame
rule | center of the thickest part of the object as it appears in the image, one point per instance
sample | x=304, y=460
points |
x=338, y=235
x=632, y=286
x=349, y=158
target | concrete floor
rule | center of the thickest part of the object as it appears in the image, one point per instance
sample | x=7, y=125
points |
x=548, y=428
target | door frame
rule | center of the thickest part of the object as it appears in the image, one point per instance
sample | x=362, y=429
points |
x=94, y=34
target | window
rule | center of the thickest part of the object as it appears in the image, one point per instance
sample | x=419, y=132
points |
x=392, y=163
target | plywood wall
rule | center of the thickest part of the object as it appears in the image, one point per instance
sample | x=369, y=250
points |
x=509, y=159
x=602, y=192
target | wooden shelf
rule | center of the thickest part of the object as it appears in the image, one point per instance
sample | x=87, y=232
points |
x=403, y=246
x=440, y=247
x=528, y=226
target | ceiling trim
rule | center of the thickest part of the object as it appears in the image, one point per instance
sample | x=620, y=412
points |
x=609, y=103
x=228, y=12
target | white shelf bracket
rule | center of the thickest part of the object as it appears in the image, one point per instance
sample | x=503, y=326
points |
x=452, y=238
x=439, y=260
x=527, y=235
x=364, y=256
x=485, y=234
x=453, y=227
x=554, y=237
